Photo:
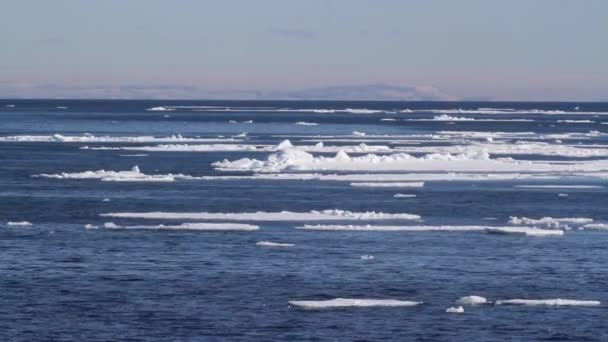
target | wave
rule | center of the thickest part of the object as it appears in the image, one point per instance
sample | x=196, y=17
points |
x=287, y=216
x=351, y=302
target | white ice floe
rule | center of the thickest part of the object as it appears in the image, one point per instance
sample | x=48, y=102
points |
x=273, y=244
x=88, y=138
x=284, y=145
x=471, y=300
x=324, y=215
x=304, y=123
x=576, y=121
x=160, y=109
x=388, y=119
x=550, y=222
x=21, y=223
x=90, y=226
x=527, y=231
x=134, y=175
x=367, y=257
x=359, y=134
x=559, y=186
x=445, y=117
x=388, y=184
x=474, y=161
x=404, y=195
x=549, y=302
x=596, y=226
x=455, y=309
x=191, y=226
x=351, y=302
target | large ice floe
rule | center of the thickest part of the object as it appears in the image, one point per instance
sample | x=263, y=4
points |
x=550, y=222
x=284, y=145
x=473, y=161
x=88, y=138
x=549, y=302
x=133, y=175
x=190, y=226
x=528, y=231
x=338, y=303
x=18, y=224
x=287, y=216
x=455, y=309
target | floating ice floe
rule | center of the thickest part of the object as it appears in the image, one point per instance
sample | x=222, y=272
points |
x=388, y=184
x=273, y=244
x=304, y=123
x=284, y=145
x=324, y=215
x=134, y=175
x=559, y=186
x=367, y=257
x=88, y=138
x=190, y=226
x=528, y=231
x=90, y=226
x=404, y=195
x=576, y=121
x=160, y=109
x=596, y=226
x=472, y=300
x=549, y=302
x=350, y=302
x=15, y=224
x=550, y=222
x=455, y=309
x=475, y=161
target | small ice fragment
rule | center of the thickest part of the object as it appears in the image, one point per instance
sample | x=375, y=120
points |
x=90, y=226
x=367, y=257
x=22, y=223
x=351, y=302
x=455, y=309
x=358, y=134
x=110, y=225
x=471, y=300
x=273, y=244
x=404, y=195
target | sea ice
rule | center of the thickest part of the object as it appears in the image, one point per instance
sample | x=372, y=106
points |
x=350, y=302
x=549, y=302
x=455, y=309
x=471, y=300
x=273, y=244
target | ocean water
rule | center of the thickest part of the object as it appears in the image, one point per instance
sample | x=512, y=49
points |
x=62, y=282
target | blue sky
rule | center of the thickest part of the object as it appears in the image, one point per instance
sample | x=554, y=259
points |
x=516, y=49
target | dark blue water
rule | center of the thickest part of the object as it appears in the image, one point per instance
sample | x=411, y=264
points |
x=61, y=282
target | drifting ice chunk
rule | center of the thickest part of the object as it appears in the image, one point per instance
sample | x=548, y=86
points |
x=273, y=244
x=191, y=226
x=404, y=195
x=524, y=231
x=325, y=215
x=367, y=257
x=471, y=300
x=348, y=302
x=550, y=222
x=388, y=185
x=549, y=302
x=598, y=226
x=302, y=123
x=22, y=223
x=455, y=309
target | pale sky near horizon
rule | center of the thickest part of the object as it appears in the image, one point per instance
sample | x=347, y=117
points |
x=516, y=49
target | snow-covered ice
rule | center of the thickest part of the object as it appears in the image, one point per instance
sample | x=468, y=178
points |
x=20, y=223
x=471, y=300
x=388, y=184
x=324, y=215
x=455, y=309
x=191, y=226
x=549, y=302
x=273, y=244
x=351, y=302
